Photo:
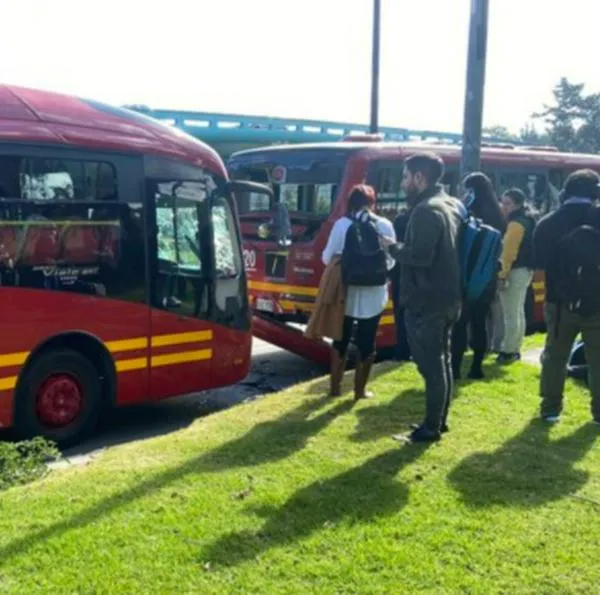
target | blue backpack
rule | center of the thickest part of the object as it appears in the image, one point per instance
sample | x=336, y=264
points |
x=480, y=248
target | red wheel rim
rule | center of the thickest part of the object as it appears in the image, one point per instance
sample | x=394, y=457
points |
x=59, y=400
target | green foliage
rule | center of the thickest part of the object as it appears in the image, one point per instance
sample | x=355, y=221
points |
x=23, y=462
x=573, y=122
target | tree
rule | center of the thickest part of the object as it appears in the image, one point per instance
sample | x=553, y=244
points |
x=499, y=132
x=529, y=134
x=573, y=122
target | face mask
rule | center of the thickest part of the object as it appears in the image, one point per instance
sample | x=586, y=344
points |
x=469, y=198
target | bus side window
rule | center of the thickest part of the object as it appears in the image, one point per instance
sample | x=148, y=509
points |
x=533, y=183
x=450, y=182
x=227, y=263
x=556, y=179
x=386, y=179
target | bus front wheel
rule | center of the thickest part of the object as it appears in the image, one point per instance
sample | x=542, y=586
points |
x=59, y=398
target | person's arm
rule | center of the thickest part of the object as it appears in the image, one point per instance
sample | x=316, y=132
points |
x=426, y=226
x=510, y=247
x=386, y=229
x=335, y=243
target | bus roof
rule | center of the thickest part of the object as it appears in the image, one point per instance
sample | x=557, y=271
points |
x=500, y=154
x=28, y=115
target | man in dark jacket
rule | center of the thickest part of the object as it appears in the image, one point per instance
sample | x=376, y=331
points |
x=430, y=284
x=402, y=347
x=563, y=323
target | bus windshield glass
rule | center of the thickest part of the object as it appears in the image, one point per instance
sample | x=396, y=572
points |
x=306, y=182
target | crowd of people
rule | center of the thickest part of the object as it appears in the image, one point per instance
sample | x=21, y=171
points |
x=435, y=321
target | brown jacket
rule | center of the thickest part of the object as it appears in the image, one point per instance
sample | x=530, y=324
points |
x=327, y=319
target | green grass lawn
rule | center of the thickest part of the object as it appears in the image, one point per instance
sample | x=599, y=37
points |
x=534, y=341
x=298, y=493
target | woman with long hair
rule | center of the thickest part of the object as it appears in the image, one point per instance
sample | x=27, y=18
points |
x=481, y=201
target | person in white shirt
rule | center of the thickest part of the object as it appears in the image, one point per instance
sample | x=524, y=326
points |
x=364, y=305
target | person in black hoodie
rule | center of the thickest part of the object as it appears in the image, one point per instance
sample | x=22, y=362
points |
x=402, y=346
x=564, y=323
x=482, y=203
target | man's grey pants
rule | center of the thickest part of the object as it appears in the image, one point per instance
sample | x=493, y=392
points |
x=429, y=337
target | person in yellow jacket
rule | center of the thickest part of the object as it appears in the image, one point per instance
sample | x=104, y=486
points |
x=516, y=272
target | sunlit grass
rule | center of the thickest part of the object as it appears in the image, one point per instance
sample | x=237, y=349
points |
x=298, y=493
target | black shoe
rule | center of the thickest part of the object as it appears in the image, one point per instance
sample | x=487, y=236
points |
x=422, y=434
x=508, y=358
x=443, y=430
x=476, y=373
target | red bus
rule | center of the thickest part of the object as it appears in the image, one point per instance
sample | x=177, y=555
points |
x=313, y=182
x=121, y=269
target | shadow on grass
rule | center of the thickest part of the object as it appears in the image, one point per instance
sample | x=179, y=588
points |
x=527, y=471
x=275, y=439
x=356, y=496
x=321, y=386
x=269, y=441
x=382, y=419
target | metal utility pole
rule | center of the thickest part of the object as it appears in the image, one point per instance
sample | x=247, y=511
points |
x=374, y=125
x=471, y=144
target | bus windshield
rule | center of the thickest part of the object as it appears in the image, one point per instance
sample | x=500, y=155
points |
x=306, y=182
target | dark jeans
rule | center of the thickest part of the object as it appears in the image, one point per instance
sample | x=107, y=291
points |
x=474, y=317
x=563, y=328
x=402, y=346
x=365, y=336
x=429, y=337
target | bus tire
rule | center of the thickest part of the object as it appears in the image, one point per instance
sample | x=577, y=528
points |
x=59, y=398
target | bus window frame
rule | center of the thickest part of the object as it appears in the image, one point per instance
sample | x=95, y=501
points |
x=127, y=168
x=498, y=170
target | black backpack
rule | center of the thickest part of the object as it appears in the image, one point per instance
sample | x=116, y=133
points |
x=578, y=270
x=363, y=259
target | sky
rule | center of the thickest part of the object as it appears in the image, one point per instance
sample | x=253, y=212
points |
x=300, y=58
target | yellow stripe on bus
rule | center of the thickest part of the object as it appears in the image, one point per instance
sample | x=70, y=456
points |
x=180, y=358
x=126, y=365
x=13, y=359
x=277, y=288
x=385, y=320
x=127, y=344
x=8, y=383
x=19, y=358
x=180, y=338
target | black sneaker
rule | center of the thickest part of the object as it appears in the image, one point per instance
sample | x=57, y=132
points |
x=443, y=430
x=476, y=374
x=422, y=434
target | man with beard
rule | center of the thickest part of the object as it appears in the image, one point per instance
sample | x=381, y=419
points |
x=430, y=284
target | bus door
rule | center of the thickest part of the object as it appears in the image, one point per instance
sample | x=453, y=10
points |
x=182, y=338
